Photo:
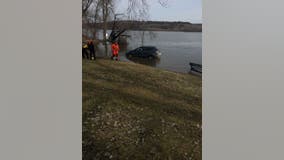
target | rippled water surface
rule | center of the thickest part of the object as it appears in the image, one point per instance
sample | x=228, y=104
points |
x=178, y=49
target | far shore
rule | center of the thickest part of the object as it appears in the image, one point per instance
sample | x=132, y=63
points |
x=154, y=26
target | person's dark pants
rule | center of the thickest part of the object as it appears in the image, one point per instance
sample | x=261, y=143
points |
x=92, y=54
x=85, y=53
x=114, y=55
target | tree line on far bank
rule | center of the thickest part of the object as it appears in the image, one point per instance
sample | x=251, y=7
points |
x=154, y=26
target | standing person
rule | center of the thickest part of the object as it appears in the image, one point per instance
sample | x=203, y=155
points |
x=84, y=51
x=115, y=50
x=91, y=47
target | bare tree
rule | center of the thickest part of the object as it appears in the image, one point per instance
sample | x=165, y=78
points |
x=107, y=8
x=139, y=10
x=95, y=11
x=85, y=6
x=163, y=3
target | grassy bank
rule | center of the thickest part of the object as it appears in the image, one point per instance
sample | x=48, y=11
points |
x=132, y=111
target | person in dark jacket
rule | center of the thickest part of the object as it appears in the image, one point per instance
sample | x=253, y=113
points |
x=85, y=52
x=91, y=48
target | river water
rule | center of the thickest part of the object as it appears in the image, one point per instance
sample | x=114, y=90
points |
x=178, y=49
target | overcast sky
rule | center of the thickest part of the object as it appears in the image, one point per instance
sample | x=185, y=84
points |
x=177, y=10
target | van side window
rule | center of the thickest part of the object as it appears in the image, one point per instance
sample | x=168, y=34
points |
x=139, y=49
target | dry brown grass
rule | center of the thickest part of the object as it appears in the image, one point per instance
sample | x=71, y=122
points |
x=131, y=111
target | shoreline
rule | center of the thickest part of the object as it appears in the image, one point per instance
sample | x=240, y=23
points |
x=160, y=68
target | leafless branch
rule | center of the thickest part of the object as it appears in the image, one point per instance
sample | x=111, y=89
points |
x=163, y=3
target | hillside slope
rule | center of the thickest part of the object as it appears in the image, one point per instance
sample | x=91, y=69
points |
x=132, y=111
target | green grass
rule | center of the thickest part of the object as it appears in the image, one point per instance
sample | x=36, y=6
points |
x=132, y=111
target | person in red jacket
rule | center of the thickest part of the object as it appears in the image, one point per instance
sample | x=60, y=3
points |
x=115, y=50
